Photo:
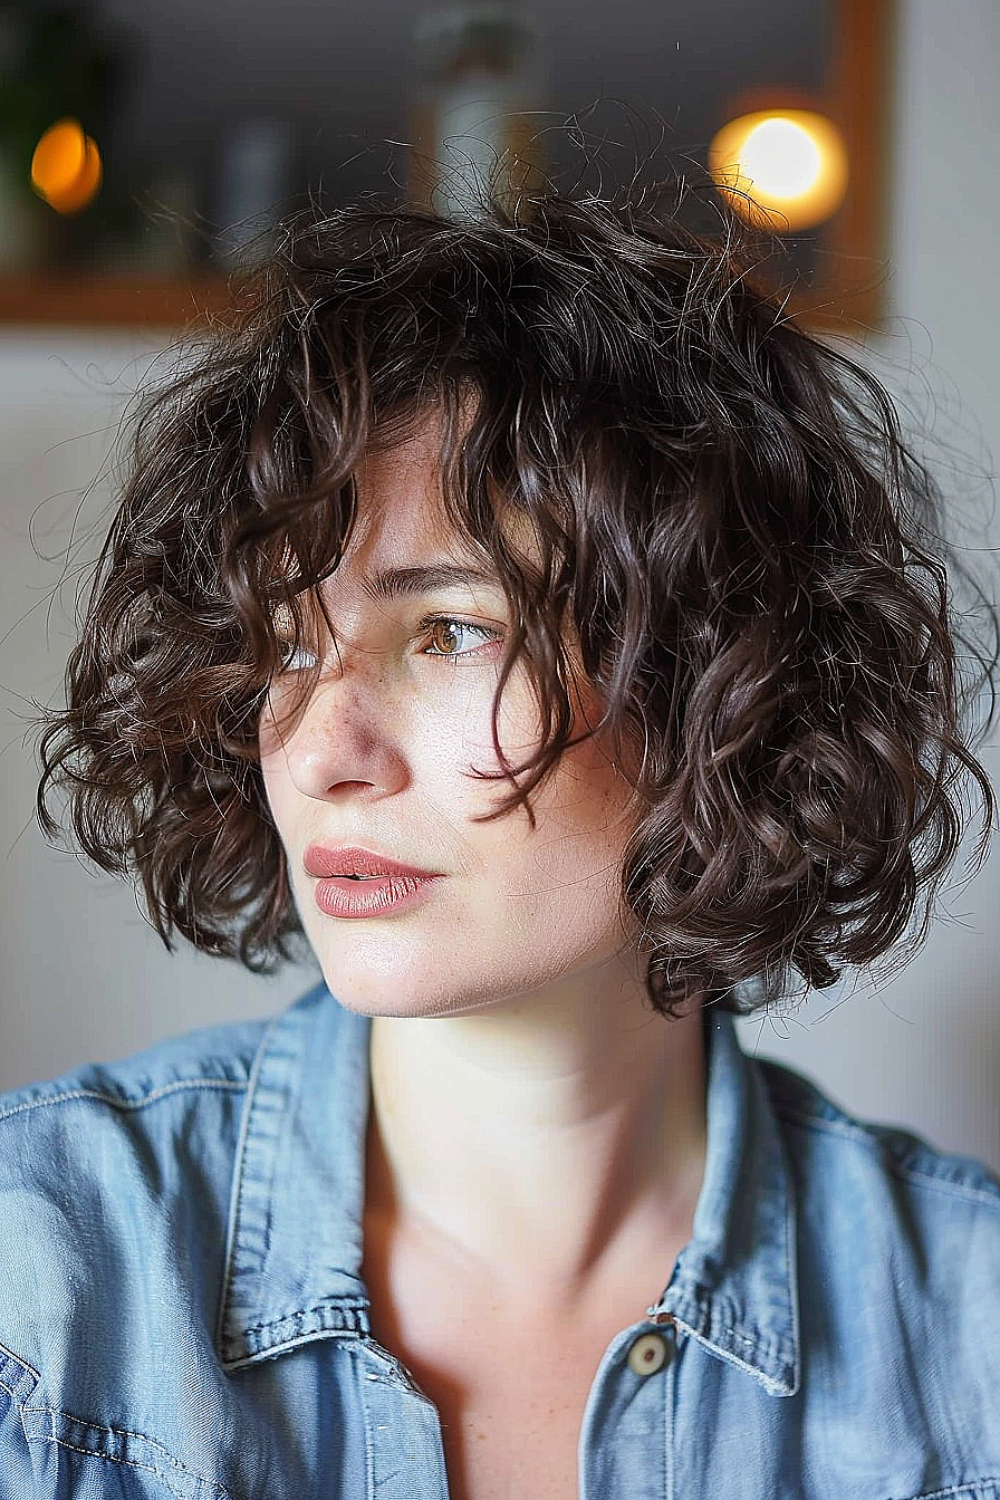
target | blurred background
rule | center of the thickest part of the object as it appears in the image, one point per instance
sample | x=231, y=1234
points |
x=147, y=149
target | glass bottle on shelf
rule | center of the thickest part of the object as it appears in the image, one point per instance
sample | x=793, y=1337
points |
x=479, y=82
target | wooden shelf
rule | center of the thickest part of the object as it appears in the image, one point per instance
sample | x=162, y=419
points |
x=80, y=299
x=853, y=244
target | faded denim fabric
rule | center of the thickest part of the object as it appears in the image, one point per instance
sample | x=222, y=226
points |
x=181, y=1311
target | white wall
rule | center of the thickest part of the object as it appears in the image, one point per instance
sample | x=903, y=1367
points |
x=924, y=1050
x=83, y=974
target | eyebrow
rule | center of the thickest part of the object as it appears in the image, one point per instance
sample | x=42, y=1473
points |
x=390, y=583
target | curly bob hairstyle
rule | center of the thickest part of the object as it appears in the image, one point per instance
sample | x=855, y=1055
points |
x=729, y=523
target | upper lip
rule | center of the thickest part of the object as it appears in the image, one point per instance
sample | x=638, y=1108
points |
x=352, y=859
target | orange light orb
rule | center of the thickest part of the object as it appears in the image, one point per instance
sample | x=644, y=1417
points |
x=66, y=167
x=780, y=169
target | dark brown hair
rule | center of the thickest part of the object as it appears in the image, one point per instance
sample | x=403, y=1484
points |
x=734, y=534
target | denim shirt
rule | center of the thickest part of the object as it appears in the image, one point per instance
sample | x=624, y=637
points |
x=182, y=1312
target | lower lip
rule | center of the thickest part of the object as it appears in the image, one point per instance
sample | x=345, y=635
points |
x=339, y=897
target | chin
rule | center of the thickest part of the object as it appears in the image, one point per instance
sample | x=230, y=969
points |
x=374, y=1000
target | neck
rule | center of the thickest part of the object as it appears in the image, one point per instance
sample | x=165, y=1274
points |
x=542, y=1142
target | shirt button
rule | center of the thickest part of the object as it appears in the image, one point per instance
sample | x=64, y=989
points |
x=648, y=1354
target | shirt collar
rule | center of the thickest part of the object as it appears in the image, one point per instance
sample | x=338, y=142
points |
x=294, y=1246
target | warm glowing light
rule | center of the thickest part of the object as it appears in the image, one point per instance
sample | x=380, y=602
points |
x=86, y=186
x=784, y=170
x=66, y=167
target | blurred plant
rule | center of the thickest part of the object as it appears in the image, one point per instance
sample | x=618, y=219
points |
x=66, y=168
x=52, y=64
x=55, y=63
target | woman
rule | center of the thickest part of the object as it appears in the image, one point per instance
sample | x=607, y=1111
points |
x=499, y=1208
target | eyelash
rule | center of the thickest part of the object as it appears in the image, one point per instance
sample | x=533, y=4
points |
x=482, y=630
x=428, y=621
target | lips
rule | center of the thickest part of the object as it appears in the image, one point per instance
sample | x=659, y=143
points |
x=325, y=860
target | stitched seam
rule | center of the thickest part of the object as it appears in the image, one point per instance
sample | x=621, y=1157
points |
x=176, y=1464
x=791, y=1282
x=136, y=1464
x=308, y=1312
x=236, y=1194
x=740, y=1338
x=19, y=1361
x=896, y=1167
x=56, y=1411
x=160, y=1093
x=369, y=1442
x=958, y=1489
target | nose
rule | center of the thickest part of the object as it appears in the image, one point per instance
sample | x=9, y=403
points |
x=342, y=734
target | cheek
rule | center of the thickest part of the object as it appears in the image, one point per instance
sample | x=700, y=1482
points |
x=273, y=773
x=450, y=734
x=268, y=740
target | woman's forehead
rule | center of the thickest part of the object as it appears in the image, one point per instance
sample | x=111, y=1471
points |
x=401, y=524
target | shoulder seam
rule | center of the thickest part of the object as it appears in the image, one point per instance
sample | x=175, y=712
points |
x=8, y=1354
x=126, y=1103
x=856, y=1130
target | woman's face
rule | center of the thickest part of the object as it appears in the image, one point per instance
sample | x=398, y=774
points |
x=376, y=757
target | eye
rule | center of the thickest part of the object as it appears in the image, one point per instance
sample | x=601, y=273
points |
x=440, y=626
x=433, y=622
x=289, y=653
